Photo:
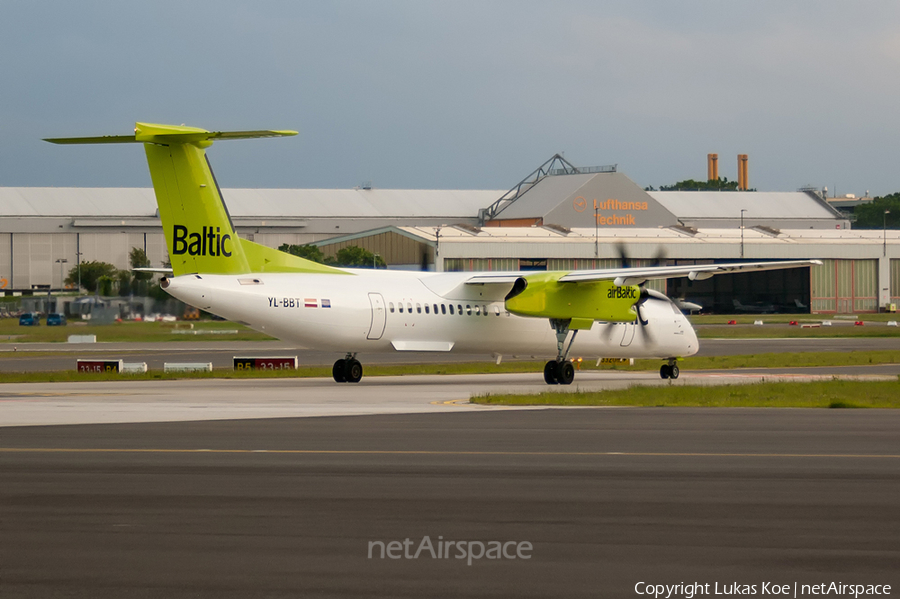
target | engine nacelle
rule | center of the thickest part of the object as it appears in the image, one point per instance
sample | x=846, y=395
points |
x=542, y=295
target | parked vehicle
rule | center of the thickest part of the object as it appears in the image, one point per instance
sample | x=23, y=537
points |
x=56, y=320
x=30, y=319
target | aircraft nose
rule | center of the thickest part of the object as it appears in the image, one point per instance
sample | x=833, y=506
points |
x=690, y=338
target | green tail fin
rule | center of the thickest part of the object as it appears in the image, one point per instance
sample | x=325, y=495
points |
x=198, y=229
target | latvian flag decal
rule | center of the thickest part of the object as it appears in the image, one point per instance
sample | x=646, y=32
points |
x=311, y=303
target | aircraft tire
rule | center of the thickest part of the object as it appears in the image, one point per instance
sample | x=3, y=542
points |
x=551, y=372
x=673, y=371
x=353, y=371
x=566, y=373
x=337, y=371
x=664, y=371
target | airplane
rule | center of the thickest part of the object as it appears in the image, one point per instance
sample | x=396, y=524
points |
x=604, y=313
x=761, y=308
x=686, y=306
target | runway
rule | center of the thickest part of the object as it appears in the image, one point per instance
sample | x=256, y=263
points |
x=36, y=404
x=605, y=498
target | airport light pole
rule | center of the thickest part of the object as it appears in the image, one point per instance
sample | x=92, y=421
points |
x=884, y=229
x=743, y=210
x=61, y=261
x=78, y=267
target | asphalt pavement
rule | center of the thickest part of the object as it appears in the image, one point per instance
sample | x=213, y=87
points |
x=600, y=501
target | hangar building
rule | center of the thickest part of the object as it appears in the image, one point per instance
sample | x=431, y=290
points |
x=559, y=217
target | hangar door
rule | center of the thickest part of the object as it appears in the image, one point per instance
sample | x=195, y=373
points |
x=844, y=286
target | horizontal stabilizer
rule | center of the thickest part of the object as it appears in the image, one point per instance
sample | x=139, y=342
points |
x=160, y=271
x=105, y=139
x=169, y=134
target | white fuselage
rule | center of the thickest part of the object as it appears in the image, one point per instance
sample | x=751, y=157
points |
x=387, y=311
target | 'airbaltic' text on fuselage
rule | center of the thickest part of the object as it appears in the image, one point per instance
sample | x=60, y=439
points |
x=621, y=293
x=206, y=243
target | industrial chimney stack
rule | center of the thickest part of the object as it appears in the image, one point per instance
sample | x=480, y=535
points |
x=743, y=183
x=712, y=167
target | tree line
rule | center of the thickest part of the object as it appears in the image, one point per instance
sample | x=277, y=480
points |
x=105, y=279
x=872, y=216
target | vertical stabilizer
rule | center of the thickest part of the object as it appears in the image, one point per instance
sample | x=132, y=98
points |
x=199, y=233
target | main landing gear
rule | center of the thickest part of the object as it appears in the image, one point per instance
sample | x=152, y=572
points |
x=560, y=371
x=347, y=370
x=669, y=371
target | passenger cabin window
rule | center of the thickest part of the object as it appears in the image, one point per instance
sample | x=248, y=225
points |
x=477, y=311
x=468, y=310
x=419, y=308
x=484, y=310
x=409, y=307
x=451, y=309
x=426, y=309
x=400, y=306
x=444, y=309
x=435, y=309
x=459, y=309
x=496, y=310
x=391, y=307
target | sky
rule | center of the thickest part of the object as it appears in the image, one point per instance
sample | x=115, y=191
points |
x=458, y=95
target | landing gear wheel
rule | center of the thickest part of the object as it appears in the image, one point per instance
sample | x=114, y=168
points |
x=664, y=371
x=353, y=371
x=337, y=371
x=566, y=373
x=551, y=372
x=673, y=371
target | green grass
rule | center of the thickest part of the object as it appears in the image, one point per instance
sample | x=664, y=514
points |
x=824, y=394
x=787, y=360
x=302, y=372
x=701, y=319
x=781, y=360
x=138, y=332
x=777, y=331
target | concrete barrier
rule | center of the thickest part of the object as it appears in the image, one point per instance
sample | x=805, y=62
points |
x=82, y=338
x=187, y=367
x=132, y=367
x=205, y=332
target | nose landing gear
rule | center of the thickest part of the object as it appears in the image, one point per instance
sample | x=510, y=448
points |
x=670, y=370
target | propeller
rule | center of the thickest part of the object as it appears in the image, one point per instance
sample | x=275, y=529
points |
x=659, y=259
x=646, y=294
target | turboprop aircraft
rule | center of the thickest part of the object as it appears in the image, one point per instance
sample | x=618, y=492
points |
x=603, y=313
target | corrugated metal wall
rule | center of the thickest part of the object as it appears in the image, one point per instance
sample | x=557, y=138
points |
x=392, y=247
